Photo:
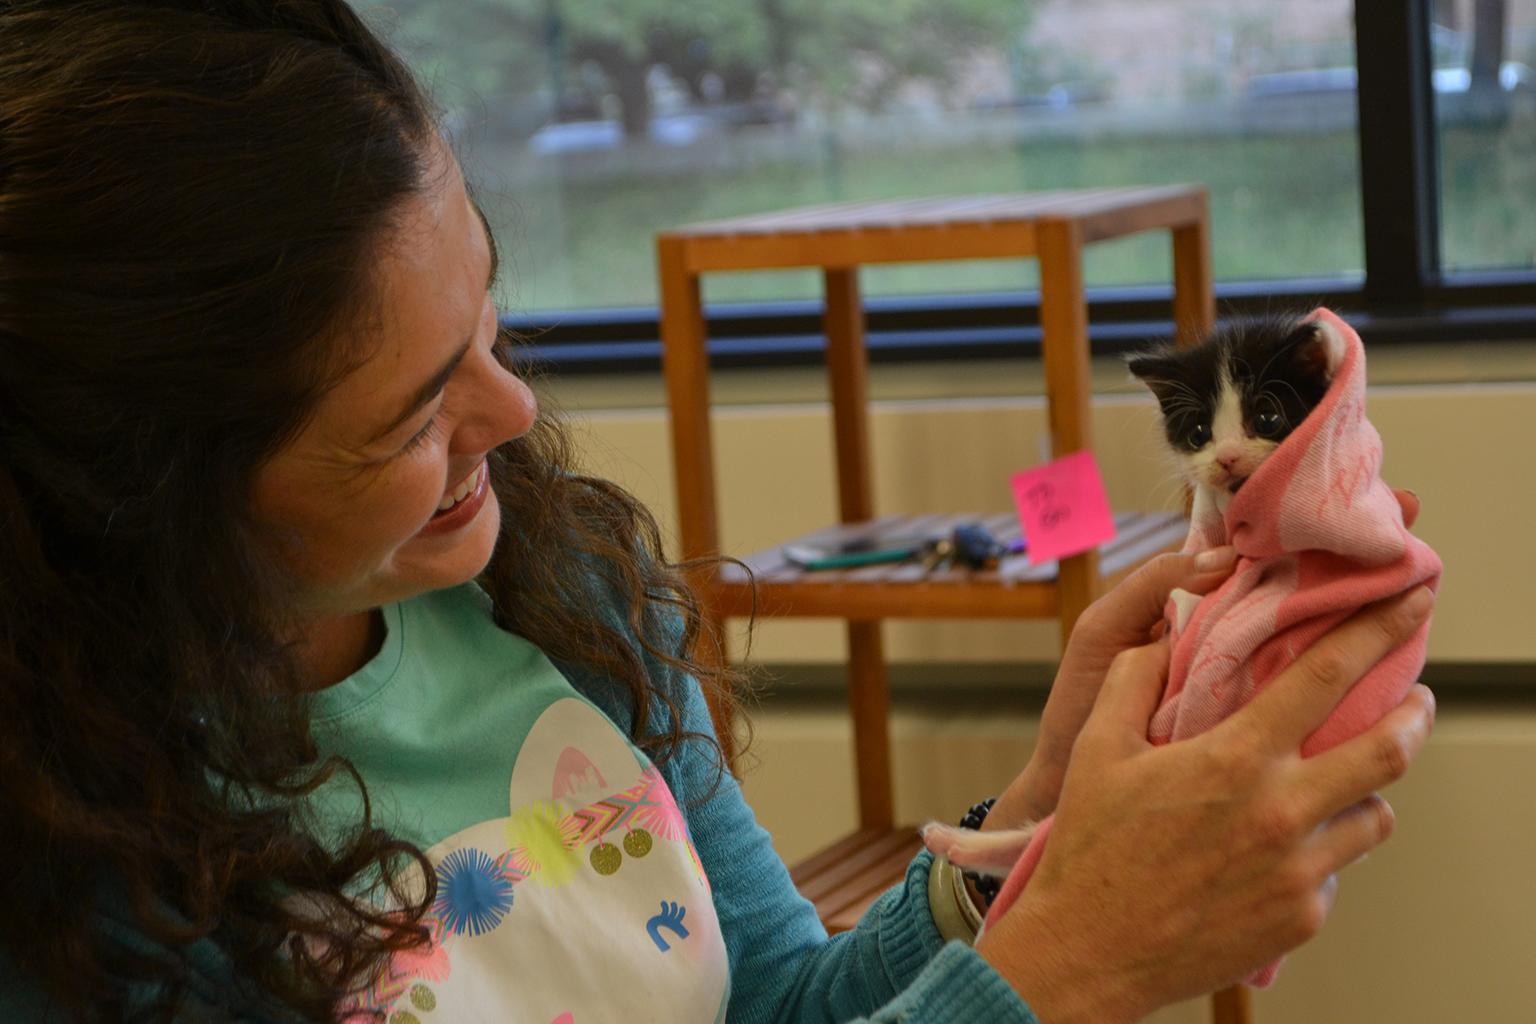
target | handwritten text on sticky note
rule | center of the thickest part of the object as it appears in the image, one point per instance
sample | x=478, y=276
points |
x=1062, y=507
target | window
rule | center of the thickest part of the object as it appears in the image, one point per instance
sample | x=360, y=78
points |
x=586, y=147
x=590, y=126
x=1485, y=111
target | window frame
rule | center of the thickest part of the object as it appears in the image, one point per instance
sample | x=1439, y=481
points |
x=1405, y=295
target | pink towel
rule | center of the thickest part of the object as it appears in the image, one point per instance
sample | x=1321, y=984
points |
x=1318, y=535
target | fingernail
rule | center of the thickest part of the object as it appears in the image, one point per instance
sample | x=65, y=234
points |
x=1427, y=696
x=1411, y=493
x=1420, y=602
x=1216, y=558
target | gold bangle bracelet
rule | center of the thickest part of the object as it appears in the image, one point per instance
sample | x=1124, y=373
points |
x=954, y=914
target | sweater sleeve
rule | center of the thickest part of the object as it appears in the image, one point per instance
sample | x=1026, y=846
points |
x=893, y=966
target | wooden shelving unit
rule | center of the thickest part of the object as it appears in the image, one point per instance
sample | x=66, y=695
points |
x=837, y=239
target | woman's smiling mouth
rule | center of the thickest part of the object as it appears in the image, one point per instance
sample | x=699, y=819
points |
x=465, y=488
x=460, y=506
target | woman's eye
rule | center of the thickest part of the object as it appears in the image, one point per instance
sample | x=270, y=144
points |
x=420, y=437
x=1199, y=435
x=1268, y=424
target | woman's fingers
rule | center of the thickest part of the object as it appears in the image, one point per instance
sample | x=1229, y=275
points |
x=1121, y=619
x=1132, y=689
x=1351, y=834
x=1133, y=607
x=1335, y=779
x=1183, y=866
x=1299, y=699
x=1410, y=505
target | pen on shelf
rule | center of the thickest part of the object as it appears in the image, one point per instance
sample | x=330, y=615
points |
x=812, y=558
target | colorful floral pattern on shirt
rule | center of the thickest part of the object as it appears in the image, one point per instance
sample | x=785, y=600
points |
x=586, y=904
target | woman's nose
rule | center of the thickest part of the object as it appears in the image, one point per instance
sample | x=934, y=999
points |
x=504, y=409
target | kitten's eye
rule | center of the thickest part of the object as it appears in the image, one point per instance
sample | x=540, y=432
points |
x=1268, y=424
x=1199, y=435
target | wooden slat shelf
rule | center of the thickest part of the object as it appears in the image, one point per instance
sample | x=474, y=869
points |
x=940, y=227
x=1015, y=589
x=946, y=211
x=843, y=879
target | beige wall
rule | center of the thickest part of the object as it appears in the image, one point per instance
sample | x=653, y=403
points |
x=1463, y=443
x=1438, y=925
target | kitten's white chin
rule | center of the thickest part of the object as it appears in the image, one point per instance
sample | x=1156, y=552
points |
x=1210, y=496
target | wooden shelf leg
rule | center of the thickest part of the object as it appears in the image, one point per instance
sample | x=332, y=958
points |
x=1194, y=314
x=1064, y=321
x=685, y=364
x=1231, y=1006
x=1194, y=296
x=868, y=689
x=848, y=376
x=869, y=702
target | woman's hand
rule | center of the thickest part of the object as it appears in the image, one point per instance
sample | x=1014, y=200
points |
x=1126, y=617
x=1122, y=619
x=1175, y=870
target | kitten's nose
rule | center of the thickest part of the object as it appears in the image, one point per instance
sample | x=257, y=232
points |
x=1228, y=461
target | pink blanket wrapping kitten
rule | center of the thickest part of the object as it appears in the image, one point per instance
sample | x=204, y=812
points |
x=1226, y=403
x=1268, y=422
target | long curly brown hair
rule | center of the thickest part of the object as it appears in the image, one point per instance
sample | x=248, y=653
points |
x=191, y=194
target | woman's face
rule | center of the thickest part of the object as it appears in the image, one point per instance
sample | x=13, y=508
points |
x=354, y=501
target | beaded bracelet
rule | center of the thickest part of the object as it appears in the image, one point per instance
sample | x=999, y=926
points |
x=985, y=884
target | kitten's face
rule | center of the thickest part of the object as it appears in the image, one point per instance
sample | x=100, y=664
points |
x=1230, y=400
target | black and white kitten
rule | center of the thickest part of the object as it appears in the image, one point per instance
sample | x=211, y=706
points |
x=1227, y=402
x=1230, y=400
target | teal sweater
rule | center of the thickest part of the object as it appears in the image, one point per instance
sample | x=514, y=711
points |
x=449, y=714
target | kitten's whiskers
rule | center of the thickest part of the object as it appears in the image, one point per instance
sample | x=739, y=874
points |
x=1175, y=483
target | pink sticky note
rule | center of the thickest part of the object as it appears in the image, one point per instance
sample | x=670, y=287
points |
x=1063, y=508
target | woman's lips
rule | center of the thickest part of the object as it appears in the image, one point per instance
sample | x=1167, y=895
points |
x=465, y=510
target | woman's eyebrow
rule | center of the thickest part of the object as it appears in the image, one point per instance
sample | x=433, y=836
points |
x=426, y=392
x=439, y=380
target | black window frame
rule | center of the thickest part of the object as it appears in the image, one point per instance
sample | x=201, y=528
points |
x=1405, y=296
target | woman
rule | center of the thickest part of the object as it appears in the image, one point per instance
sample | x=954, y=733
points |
x=330, y=690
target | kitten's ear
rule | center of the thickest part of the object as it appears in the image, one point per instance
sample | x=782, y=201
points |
x=1157, y=370
x=1319, y=348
